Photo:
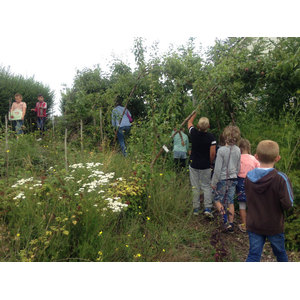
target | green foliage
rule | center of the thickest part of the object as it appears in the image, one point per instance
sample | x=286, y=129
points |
x=29, y=88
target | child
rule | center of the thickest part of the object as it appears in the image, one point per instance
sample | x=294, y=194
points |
x=40, y=109
x=180, y=148
x=224, y=179
x=202, y=155
x=17, y=113
x=248, y=163
x=269, y=193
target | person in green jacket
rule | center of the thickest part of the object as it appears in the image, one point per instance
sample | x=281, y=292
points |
x=180, y=148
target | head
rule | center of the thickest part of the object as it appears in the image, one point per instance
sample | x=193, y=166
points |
x=119, y=100
x=40, y=98
x=267, y=152
x=203, y=124
x=245, y=146
x=18, y=97
x=231, y=135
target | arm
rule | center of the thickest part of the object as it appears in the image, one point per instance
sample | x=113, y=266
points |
x=191, y=120
x=285, y=192
x=212, y=153
x=24, y=110
x=217, y=170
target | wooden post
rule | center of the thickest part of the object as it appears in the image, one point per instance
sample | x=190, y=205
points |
x=66, y=154
x=81, y=135
x=6, y=146
x=101, y=126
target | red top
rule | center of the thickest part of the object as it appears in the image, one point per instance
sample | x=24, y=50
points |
x=40, y=109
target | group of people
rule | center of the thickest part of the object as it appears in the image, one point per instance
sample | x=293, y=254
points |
x=17, y=113
x=219, y=173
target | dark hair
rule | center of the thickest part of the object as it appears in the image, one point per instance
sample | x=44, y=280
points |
x=40, y=95
x=119, y=100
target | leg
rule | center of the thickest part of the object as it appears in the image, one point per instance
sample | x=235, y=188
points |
x=19, y=124
x=182, y=163
x=195, y=183
x=230, y=195
x=43, y=120
x=231, y=213
x=205, y=186
x=121, y=140
x=38, y=123
x=243, y=215
x=256, y=245
x=277, y=244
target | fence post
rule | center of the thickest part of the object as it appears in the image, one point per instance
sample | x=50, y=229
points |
x=6, y=146
x=66, y=154
x=101, y=126
x=81, y=135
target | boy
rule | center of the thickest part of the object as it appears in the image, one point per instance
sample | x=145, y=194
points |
x=17, y=113
x=224, y=179
x=202, y=156
x=268, y=193
x=40, y=109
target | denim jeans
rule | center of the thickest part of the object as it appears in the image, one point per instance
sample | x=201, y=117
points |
x=225, y=191
x=41, y=123
x=257, y=241
x=121, y=137
x=18, y=126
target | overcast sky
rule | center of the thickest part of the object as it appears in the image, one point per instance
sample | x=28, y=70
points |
x=50, y=40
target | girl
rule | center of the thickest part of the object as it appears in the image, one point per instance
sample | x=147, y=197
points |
x=17, y=113
x=224, y=180
x=248, y=163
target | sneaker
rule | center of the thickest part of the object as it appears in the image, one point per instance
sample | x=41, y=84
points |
x=196, y=211
x=229, y=228
x=208, y=213
x=242, y=227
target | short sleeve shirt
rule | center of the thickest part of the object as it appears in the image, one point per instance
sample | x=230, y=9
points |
x=201, y=143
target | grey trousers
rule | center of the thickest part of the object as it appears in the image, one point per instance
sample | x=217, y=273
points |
x=200, y=181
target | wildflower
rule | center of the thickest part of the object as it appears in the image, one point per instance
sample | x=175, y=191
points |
x=48, y=232
x=7, y=150
x=100, y=253
x=148, y=218
x=163, y=250
x=149, y=196
x=137, y=255
x=126, y=246
x=100, y=233
x=74, y=222
x=161, y=174
x=129, y=235
x=144, y=236
x=18, y=234
x=66, y=232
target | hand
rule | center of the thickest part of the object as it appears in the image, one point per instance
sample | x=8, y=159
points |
x=32, y=109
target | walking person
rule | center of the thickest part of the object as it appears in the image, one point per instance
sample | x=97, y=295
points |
x=124, y=125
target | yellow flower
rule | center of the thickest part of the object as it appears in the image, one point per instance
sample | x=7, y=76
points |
x=18, y=234
x=74, y=222
x=164, y=250
x=148, y=218
x=149, y=196
x=137, y=255
x=48, y=232
x=66, y=232
x=161, y=174
x=144, y=235
x=126, y=246
x=140, y=213
x=100, y=233
x=7, y=150
x=100, y=253
x=129, y=235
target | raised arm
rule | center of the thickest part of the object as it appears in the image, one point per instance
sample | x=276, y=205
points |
x=191, y=120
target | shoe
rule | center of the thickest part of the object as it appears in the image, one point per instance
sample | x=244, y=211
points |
x=196, y=211
x=242, y=227
x=229, y=228
x=208, y=213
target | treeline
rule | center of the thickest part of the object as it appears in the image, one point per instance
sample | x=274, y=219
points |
x=29, y=88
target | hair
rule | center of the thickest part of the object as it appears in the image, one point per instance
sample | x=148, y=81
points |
x=231, y=134
x=119, y=100
x=18, y=95
x=203, y=124
x=267, y=151
x=40, y=95
x=244, y=145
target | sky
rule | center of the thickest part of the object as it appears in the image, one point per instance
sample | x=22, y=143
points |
x=50, y=40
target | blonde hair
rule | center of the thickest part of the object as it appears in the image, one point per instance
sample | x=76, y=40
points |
x=231, y=134
x=267, y=151
x=203, y=124
x=244, y=145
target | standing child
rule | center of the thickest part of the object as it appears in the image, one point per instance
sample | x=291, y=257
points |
x=40, y=109
x=17, y=113
x=180, y=148
x=224, y=180
x=269, y=193
x=248, y=163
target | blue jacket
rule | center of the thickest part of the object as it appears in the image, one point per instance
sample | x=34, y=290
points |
x=116, y=116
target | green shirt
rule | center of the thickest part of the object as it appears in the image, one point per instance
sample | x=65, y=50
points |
x=177, y=142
